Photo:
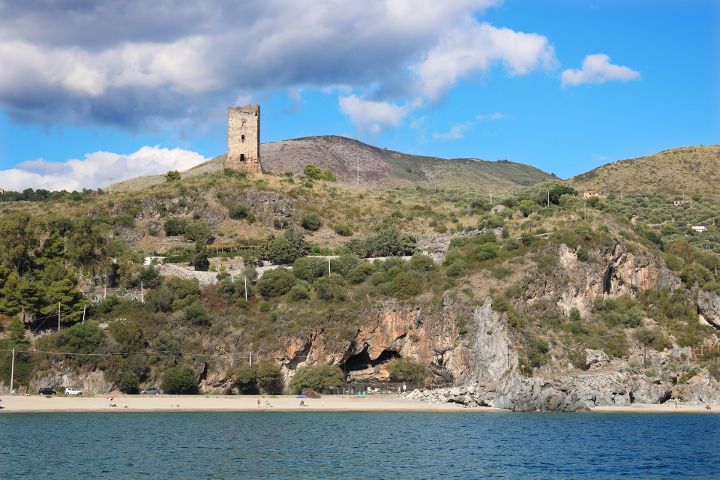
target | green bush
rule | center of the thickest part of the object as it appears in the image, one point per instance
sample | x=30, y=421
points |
x=175, y=226
x=172, y=176
x=83, y=338
x=129, y=382
x=344, y=264
x=385, y=243
x=330, y=287
x=653, y=338
x=311, y=221
x=622, y=311
x=129, y=335
x=239, y=211
x=309, y=269
x=298, y=292
x=174, y=294
x=406, y=370
x=264, y=377
x=198, y=232
x=179, y=381
x=200, y=260
x=421, y=263
x=360, y=273
x=275, y=283
x=316, y=173
x=196, y=315
x=343, y=229
x=404, y=285
x=287, y=248
x=538, y=352
x=318, y=378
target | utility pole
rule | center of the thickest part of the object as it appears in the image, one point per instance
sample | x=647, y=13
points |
x=84, y=310
x=548, y=198
x=142, y=292
x=12, y=371
x=328, y=266
x=245, y=278
x=58, y=316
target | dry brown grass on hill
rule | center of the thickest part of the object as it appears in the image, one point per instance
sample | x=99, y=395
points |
x=685, y=170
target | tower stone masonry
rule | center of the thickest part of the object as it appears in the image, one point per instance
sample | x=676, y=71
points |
x=244, y=139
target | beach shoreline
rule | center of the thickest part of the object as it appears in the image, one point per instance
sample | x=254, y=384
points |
x=280, y=403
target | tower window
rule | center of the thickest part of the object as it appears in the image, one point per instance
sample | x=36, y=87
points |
x=242, y=157
x=242, y=138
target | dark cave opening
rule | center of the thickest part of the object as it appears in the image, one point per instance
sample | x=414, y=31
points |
x=362, y=360
x=607, y=279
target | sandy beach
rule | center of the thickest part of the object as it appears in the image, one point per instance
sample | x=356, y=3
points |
x=242, y=403
x=229, y=403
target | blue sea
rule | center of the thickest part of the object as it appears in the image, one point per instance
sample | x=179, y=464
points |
x=310, y=445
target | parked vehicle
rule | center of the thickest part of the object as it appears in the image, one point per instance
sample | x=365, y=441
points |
x=150, y=391
x=47, y=391
x=73, y=391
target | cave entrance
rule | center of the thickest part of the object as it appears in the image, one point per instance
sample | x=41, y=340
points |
x=607, y=279
x=362, y=360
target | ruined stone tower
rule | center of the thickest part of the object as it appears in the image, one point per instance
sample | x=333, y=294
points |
x=244, y=139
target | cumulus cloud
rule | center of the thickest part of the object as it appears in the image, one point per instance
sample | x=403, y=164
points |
x=475, y=47
x=597, y=69
x=458, y=130
x=138, y=63
x=97, y=169
x=371, y=117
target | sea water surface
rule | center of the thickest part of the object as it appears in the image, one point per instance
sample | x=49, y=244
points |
x=358, y=445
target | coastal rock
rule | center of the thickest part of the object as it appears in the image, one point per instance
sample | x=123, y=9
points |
x=595, y=358
x=701, y=388
x=709, y=307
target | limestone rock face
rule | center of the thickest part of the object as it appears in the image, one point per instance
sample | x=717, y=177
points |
x=702, y=388
x=395, y=331
x=709, y=307
x=493, y=354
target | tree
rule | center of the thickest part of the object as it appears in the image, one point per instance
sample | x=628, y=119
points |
x=311, y=221
x=330, y=287
x=318, y=378
x=82, y=338
x=196, y=314
x=198, y=232
x=128, y=334
x=68, y=297
x=180, y=381
x=175, y=226
x=199, y=259
x=309, y=269
x=172, y=176
x=275, y=283
x=239, y=211
x=406, y=370
x=287, y=248
x=19, y=238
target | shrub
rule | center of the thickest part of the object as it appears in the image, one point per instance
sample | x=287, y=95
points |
x=298, y=292
x=318, y=378
x=621, y=311
x=421, y=263
x=128, y=334
x=485, y=251
x=174, y=294
x=179, y=380
x=344, y=264
x=404, y=285
x=239, y=211
x=198, y=232
x=385, y=243
x=175, y=226
x=309, y=269
x=172, y=176
x=652, y=338
x=316, y=173
x=129, y=382
x=583, y=255
x=311, y=221
x=406, y=371
x=264, y=377
x=200, y=260
x=275, y=283
x=82, y=338
x=537, y=352
x=196, y=315
x=360, y=273
x=330, y=287
x=343, y=229
x=287, y=248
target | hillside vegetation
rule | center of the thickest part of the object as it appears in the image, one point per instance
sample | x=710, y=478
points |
x=356, y=163
x=678, y=172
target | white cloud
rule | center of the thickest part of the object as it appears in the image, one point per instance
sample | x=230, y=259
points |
x=597, y=69
x=458, y=130
x=97, y=169
x=475, y=47
x=136, y=63
x=371, y=117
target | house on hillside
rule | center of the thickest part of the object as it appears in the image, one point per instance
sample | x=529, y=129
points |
x=679, y=203
x=2, y=190
x=592, y=193
x=699, y=228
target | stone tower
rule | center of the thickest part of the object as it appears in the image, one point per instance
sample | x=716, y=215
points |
x=244, y=139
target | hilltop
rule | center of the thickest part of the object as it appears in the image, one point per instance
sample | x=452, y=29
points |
x=678, y=171
x=357, y=163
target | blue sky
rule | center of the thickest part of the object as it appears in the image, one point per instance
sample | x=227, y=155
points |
x=92, y=93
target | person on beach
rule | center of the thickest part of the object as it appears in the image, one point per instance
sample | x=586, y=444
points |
x=258, y=402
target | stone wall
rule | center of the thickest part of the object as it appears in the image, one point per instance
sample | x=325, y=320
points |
x=244, y=139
